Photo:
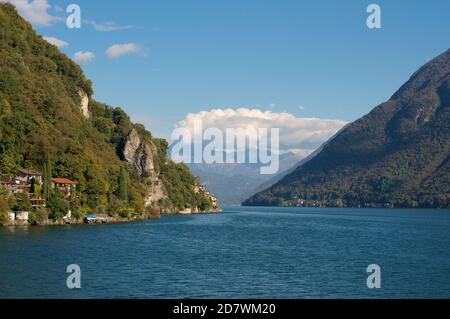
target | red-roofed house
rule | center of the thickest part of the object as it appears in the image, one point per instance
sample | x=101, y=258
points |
x=66, y=186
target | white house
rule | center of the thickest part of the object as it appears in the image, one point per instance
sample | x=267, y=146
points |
x=23, y=216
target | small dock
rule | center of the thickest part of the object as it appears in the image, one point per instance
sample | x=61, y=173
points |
x=94, y=219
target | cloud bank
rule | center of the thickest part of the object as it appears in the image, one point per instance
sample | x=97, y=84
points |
x=108, y=27
x=299, y=135
x=34, y=11
x=118, y=50
x=57, y=42
x=83, y=57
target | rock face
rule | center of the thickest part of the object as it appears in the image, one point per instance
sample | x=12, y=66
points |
x=84, y=104
x=140, y=155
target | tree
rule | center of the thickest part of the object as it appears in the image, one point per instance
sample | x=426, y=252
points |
x=7, y=164
x=4, y=209
x=47, y=178
x=32, y=218
x=41, y=216
x=35, y=187
x=123, y=185
x=22, y=203
x=58, y=206
x=115, y=205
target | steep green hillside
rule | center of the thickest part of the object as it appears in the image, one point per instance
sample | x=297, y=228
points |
x=397, y=155
x=42, y=126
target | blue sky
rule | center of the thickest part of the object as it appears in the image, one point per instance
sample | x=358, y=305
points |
x=307, y=58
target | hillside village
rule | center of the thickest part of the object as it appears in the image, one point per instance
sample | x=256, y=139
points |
x=50, y=121
x=36, y=199
x=27, y=195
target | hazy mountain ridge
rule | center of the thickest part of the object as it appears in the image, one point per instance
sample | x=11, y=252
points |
x=233, y=183
x=397, y=155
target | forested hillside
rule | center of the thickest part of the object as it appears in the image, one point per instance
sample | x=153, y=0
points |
x=45, y=126
x=397, y=156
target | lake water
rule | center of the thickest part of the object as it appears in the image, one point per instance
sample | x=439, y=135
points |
x=242, y=252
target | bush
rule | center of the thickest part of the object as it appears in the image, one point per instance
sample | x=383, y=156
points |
x=41, y=216
x=32, y=218
x=4, y=209
x=22, y=203
x=58, y=206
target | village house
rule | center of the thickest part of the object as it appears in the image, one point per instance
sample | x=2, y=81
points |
x=213, y=199
x=21, y=183
x=14, y=186
x=66, y=186
x=22, y=216
x=301, y=202
x=26, y=175
x=201, y=189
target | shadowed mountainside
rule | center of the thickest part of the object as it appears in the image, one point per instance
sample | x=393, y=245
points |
x=398, y=155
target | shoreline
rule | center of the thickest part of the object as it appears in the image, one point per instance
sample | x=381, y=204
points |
x=105, y=221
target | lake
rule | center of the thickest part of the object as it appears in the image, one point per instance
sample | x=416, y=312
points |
x=240, y=253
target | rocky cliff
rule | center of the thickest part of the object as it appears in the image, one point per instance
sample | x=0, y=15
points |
x=141, y=155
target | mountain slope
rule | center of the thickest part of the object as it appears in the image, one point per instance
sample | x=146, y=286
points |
x=48, y=121
x=398, y=155
x=233, y=183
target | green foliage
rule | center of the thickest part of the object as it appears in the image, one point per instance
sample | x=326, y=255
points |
x=127, y=213
x=175, y=178
x=114, y=206
x=42, y=127
x=123, y=185
x=22, y=203
x=32, y=218
x=35, y=187
x=4, y=208
x=41, y=216
x=47, y=178
x=57, y=206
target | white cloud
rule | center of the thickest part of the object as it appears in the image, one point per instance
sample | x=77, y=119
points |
x=34, y=11
x=118, y=50
x=83, y=57
x=58, y=9
x=57, y=42
x=300, y=135
x=108, y=27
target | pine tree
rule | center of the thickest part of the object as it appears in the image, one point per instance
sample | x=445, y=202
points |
x=47, y=179
x=123, y=186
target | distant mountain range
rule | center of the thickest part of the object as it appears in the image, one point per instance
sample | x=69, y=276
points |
x=233, y=183
x=396, y=156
